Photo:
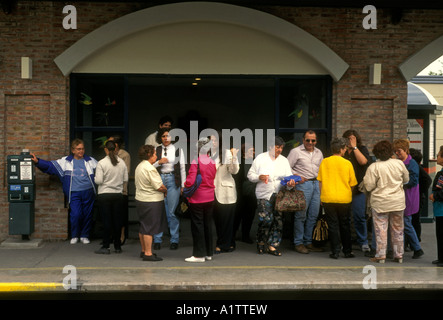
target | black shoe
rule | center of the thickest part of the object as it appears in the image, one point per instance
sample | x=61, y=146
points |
x=157, y=246
x=103, y=250
x=349, y=255
x=418, y=254
x=142, y=254
x=173, y=246
x=437, y=261
x=333, y=255
x=118, y=250
x=151, y=258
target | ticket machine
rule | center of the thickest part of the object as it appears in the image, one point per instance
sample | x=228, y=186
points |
x=21, y=193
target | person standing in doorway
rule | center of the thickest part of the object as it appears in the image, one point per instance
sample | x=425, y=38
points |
x=171, y=166
x=164, y=122
x=305, y=162
x=358, y=154
x=201, y=203
x=227, y=165
x=149, y=200
x=268, y=170
x=126, y=157
x=76, y=173
x=111, y=174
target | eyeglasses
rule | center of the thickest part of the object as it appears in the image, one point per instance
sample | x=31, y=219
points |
x=310, y=140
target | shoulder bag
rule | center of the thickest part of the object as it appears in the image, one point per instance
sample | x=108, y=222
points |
x=189, y=191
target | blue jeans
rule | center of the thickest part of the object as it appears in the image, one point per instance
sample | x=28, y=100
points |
x=171, y=203
x=305, y=221
x=359, y=214
x=410, y=235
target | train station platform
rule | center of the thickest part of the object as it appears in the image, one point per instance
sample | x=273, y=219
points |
x=59, y=269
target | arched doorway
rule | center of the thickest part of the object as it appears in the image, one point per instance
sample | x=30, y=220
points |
x=269, y=72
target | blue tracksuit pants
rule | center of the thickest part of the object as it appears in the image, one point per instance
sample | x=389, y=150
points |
x=81, y=206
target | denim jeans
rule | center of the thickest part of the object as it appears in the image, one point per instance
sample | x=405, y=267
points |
x=358, y=208
x=171, y=203
x=410, y=235
x=305, y=221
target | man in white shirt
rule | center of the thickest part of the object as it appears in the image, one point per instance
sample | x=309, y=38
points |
x=267, y=170
x=164, y=122
x=305, y=162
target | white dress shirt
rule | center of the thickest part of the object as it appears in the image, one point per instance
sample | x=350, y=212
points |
x=276, y=169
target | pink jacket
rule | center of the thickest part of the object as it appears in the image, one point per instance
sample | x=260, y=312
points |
x=205, y=192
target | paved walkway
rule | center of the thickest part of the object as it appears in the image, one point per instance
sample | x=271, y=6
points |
x=54, y=267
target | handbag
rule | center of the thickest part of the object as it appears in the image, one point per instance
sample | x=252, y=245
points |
x=289, y=200
x=320, y=232
x=189, y=191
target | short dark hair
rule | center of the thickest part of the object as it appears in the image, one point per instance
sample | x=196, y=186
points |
x=383, y=150
x=279, y=141
x=310, y=132
x=165, y=119
x=145, y=152
x=160, y=132
x=416, y=155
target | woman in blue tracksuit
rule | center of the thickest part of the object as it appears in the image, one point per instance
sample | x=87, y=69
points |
x=76, y=173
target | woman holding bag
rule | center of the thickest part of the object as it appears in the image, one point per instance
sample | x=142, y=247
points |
x=201, y=202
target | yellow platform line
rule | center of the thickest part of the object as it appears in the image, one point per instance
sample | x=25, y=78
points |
x=29, y=286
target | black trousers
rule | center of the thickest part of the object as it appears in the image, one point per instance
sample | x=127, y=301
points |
x=201, y=228
x=224, y=215
x=439, y=234
x=111, y=206
x=244, y=215
x=339, y=226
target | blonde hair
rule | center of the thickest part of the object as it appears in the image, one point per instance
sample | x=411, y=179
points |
x=401, y=144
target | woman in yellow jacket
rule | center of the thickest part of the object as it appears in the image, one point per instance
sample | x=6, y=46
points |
x=337, y=178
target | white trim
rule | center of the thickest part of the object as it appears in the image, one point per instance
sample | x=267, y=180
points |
x=421, y=59
x=201, y=11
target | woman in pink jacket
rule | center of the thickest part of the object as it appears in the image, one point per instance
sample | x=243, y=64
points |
x=201, y=203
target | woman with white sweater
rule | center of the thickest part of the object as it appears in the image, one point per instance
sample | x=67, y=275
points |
x=225, y=195
x=110, y=176
x=384, y=179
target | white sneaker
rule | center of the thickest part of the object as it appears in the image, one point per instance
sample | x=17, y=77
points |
x=194, y=259
x=74, y=240
x=85, y=240
x=208, y=258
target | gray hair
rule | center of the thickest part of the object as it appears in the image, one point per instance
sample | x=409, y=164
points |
x=204, y=145
x=337, y=144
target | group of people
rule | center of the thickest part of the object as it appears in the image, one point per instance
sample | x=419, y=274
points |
x=232, y=191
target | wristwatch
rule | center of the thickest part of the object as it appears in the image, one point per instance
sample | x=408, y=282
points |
x=355, y=148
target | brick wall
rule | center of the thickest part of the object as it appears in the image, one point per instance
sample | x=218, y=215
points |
x=34, y=113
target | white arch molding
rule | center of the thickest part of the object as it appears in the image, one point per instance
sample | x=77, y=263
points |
x=421, y=59
x=200, y=38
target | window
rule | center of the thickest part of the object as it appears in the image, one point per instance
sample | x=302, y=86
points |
x=304, y=103
x=98, y=110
